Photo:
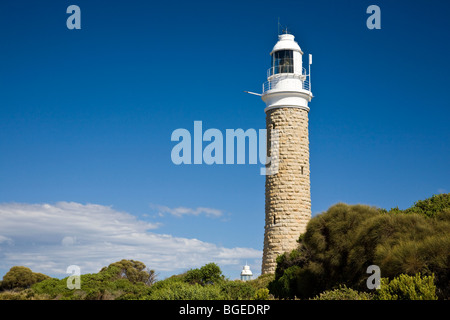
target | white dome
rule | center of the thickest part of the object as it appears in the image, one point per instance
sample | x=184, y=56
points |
x=286, y=42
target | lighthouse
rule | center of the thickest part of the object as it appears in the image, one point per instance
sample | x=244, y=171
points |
x=286, y=94
x=246, y=273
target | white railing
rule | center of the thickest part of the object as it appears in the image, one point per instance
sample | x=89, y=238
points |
x=306, y=84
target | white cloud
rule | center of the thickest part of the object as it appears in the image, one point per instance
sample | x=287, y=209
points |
x=4, y=239
x=181, y=211
x=49, y=237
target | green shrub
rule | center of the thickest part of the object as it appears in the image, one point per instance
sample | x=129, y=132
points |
x=405, y=287
x=105, y=285
x=208, y=274
x=342, y=242
x=237, y=290
x=262, y=294
x=286, y=286
x=15, y=294
x=177, y=290
x=132, y=270
x=51, y=287
x=21, y=277
x=343, y=293
x=431, y=206
x=380, y=240
x=262, y=281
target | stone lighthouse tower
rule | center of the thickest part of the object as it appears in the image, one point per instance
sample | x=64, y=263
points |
x=286, y=93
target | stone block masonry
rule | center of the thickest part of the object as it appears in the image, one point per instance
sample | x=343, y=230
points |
x=288, y=197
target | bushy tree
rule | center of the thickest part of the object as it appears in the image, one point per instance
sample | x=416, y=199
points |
x=431, y=206
x=132, y=270
x=21, y=277
x=208, y=274
x=320, y=263
x=342, y=242
x=381, y=239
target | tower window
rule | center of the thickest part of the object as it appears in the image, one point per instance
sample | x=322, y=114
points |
x=301, y=169
x=283, y=61
x=274, y=219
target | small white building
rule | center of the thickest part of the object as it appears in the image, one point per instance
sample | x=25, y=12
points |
x=246, y=273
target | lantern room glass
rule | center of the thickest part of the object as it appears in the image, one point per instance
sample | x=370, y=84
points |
x=246, y=277
x=283, y=61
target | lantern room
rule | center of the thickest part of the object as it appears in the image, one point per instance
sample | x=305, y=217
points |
x=286, y=56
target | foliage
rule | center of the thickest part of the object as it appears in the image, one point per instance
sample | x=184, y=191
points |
x=411, y=247
x=320, y=262
x=342, y=242
x=427, y=208
x=237, y=290
x=21, y=277
x=179, y=290
x=204, y=283
x=98, y=286
x=208, y=274
x=22, y=294
x=262, y=281
x=406, y=287
x=125, y=279
x=262, y=294
x=134, y=271
x=343, y=293
x=431, y=206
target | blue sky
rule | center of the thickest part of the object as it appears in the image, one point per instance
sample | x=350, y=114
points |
x=86, y=118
